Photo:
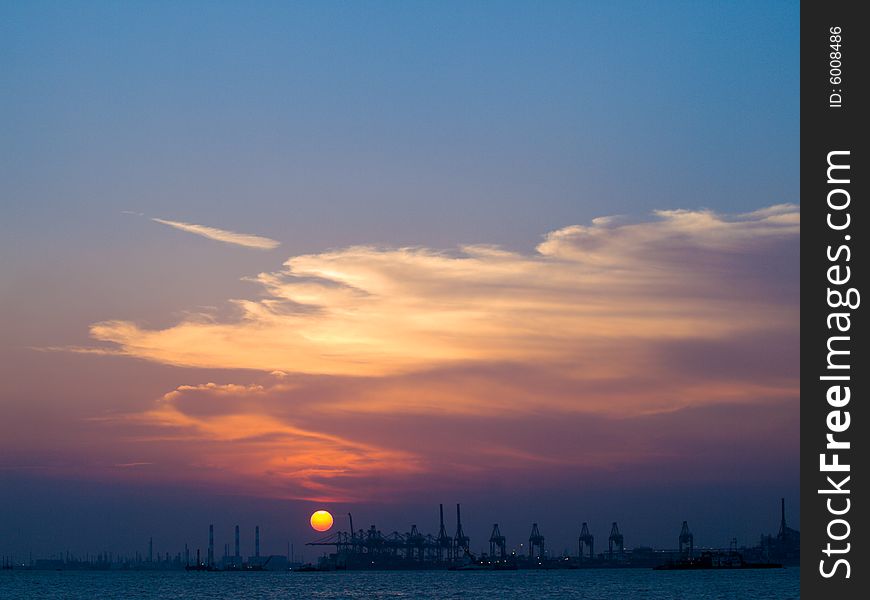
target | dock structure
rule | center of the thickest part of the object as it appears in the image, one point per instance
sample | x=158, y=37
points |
x=616, y=540
x=445, y=544
x=586, y=539
x=687, y=541
x=460, y=540
x=536, y=540
x=497, y=543
x=415, y=549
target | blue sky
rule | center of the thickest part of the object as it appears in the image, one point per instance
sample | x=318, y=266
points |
x=332, y=123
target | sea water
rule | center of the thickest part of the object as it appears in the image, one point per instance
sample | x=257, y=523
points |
x=592, y=584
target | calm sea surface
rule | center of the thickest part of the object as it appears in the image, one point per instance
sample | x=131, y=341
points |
x=593, y=584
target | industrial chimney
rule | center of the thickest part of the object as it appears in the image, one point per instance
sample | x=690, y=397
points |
x=237, y=543
x=211, y=545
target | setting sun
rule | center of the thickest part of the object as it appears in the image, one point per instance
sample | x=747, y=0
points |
x=321, y=520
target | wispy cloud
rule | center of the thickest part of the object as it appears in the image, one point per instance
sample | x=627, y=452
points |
x=222, y=235
x=80, y=350
x=330, y=439
x=249, y=436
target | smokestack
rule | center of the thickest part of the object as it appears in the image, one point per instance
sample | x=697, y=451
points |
x=211, y=545
x=782, y=522
x=237, y=542
x=257, y=541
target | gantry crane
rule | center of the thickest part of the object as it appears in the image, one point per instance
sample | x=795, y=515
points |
x=443, y=542
x=587, y=539
x=616, y=539
x=460, y=540
x=687, y=541
x=415, y=541
x=536, y=540
x=497, y=541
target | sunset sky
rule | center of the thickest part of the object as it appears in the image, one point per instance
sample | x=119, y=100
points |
x=540, y=259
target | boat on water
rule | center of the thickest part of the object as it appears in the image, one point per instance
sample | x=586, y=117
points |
x=715, y=560
x=248, y=566
x=200, y=567
x=485, y=565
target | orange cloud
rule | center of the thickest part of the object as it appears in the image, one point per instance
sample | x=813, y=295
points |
x=310, y=441
x=381, y=370
x=241, y=442
x=585, y=295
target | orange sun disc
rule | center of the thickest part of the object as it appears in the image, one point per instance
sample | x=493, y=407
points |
x=321, y=520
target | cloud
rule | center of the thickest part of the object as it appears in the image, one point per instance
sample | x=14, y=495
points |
x=655, y=349
x=250, y=443
x=306, y=441
x=221, y=235
x=80, y=350
x=597, y=299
